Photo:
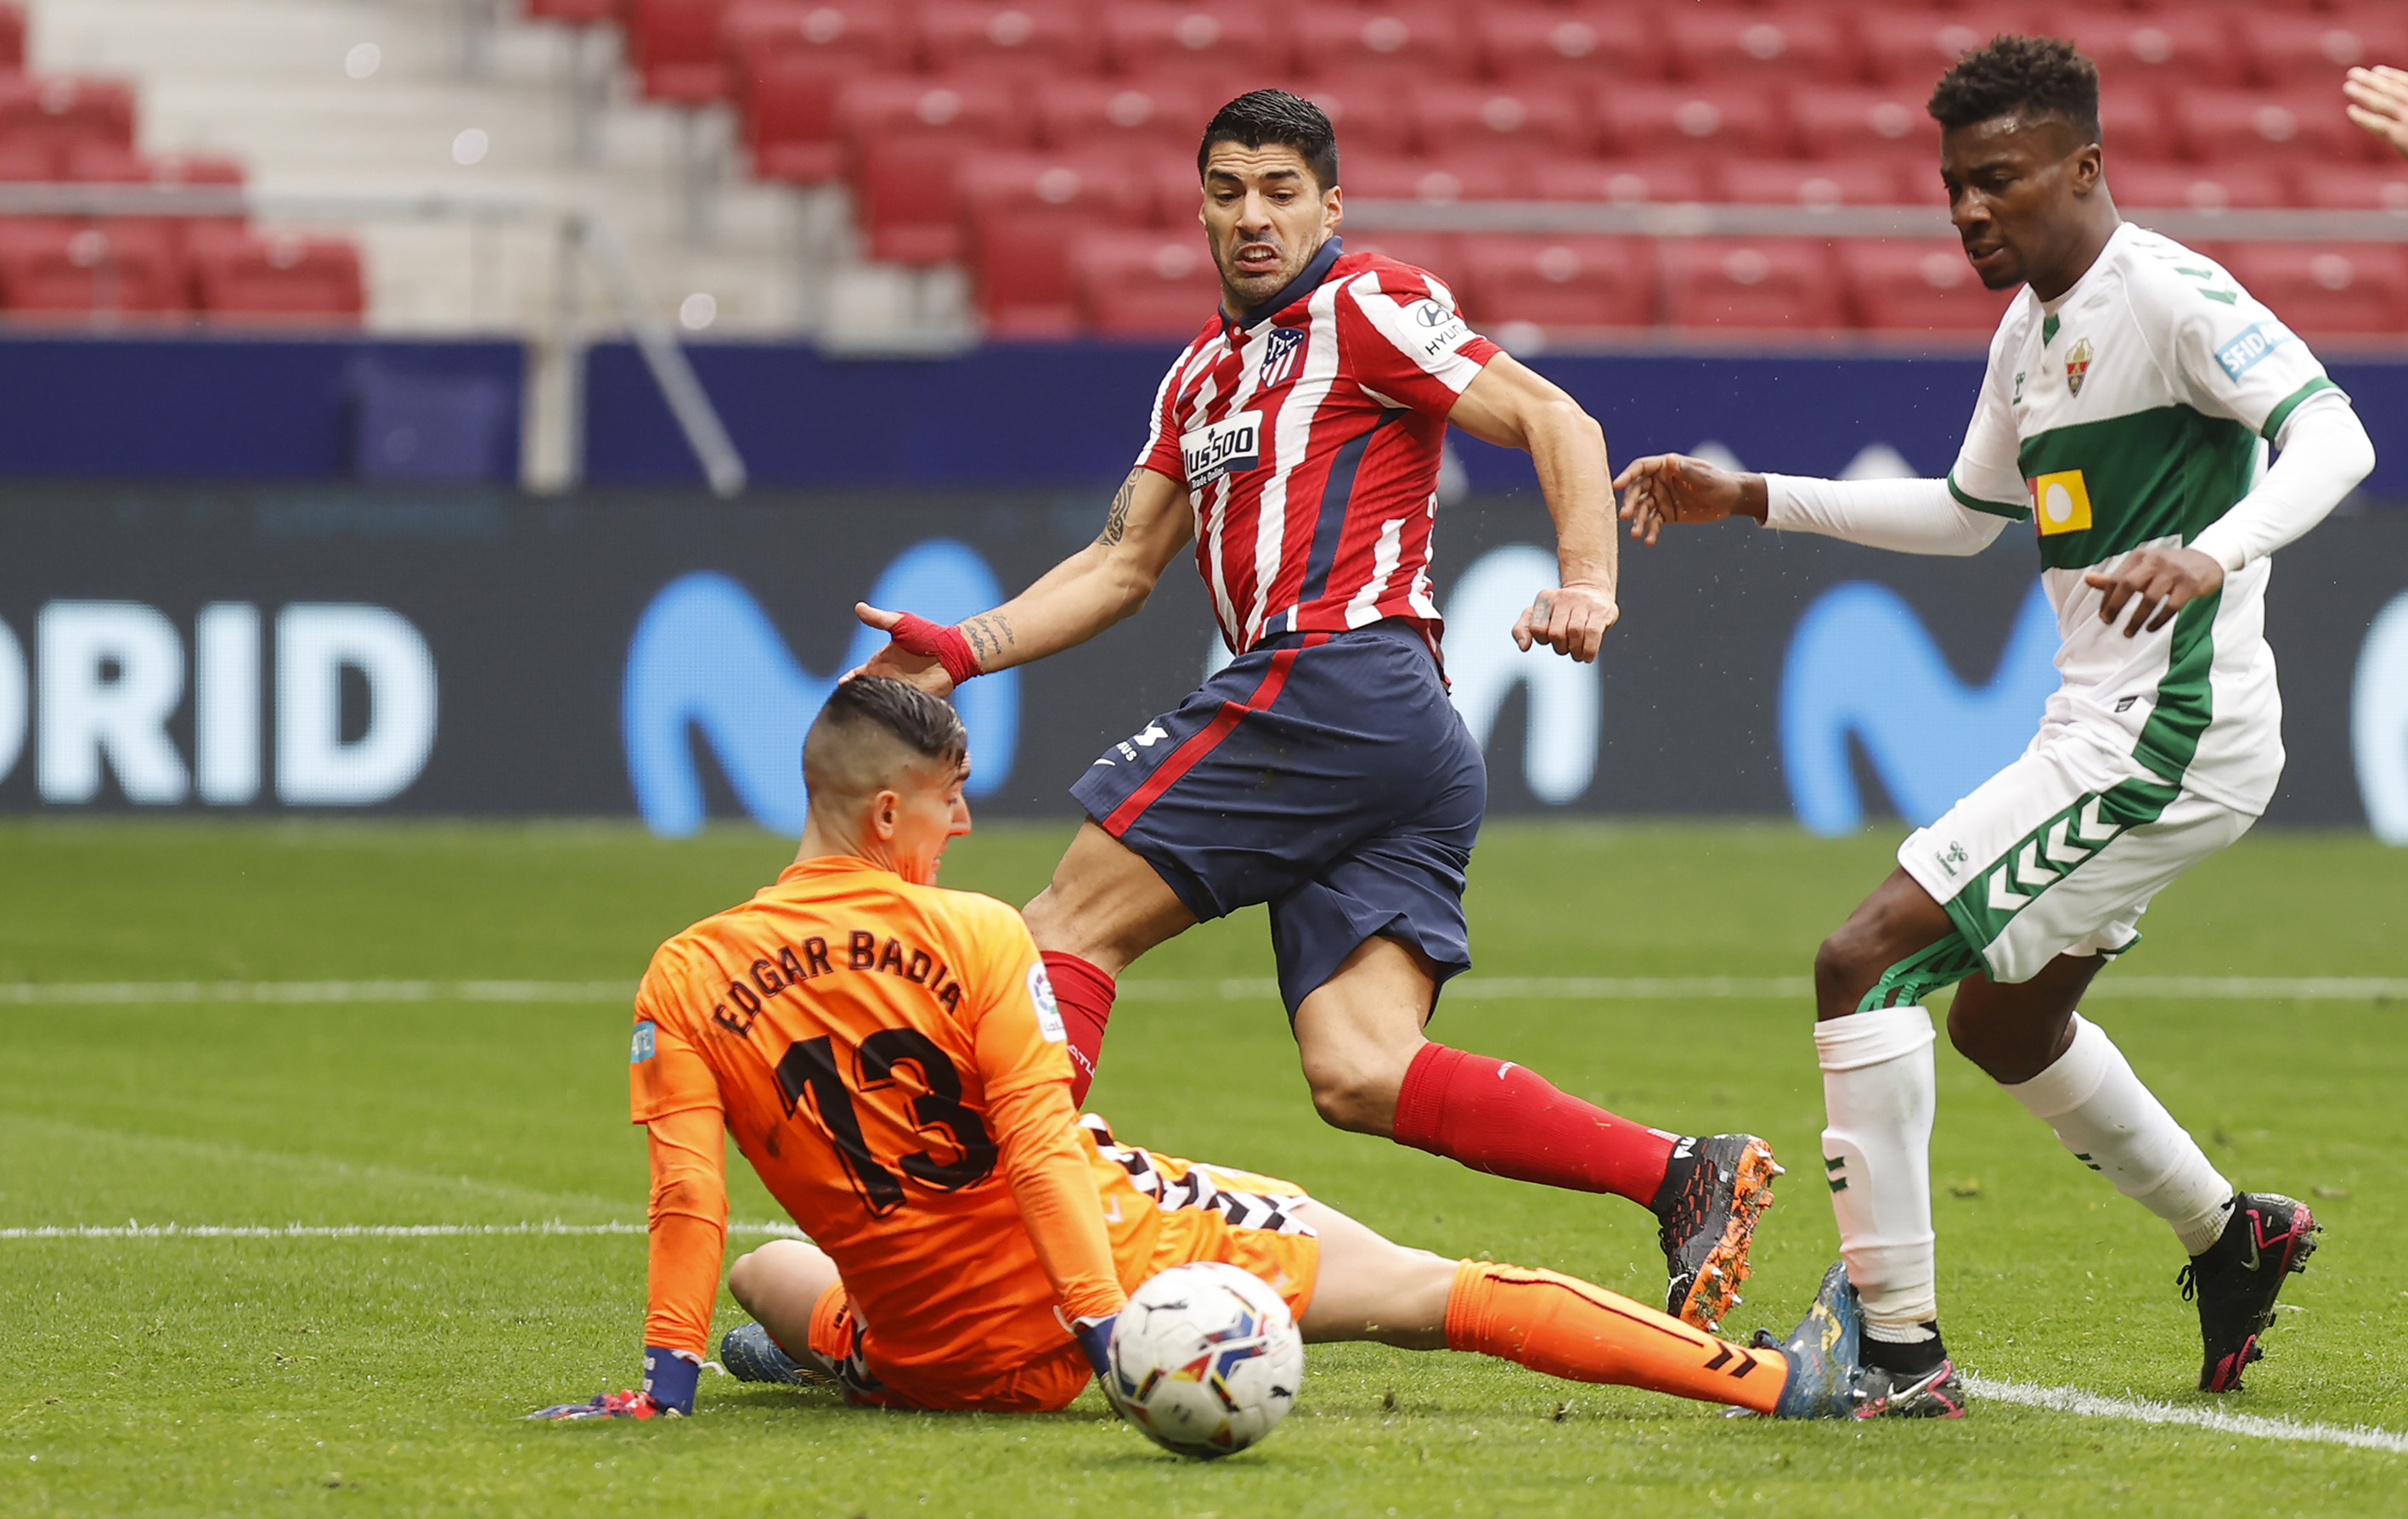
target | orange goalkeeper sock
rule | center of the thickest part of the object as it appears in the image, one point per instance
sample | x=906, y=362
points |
x=1568, y=1328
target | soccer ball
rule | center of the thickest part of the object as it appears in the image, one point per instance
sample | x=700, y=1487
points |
x=1206, y=1359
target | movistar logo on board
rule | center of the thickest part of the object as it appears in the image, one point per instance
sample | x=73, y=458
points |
x=1863, y=668
x=707, y=660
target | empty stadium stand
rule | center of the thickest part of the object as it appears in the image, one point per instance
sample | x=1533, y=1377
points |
x=144, y=269
x=1048, y=145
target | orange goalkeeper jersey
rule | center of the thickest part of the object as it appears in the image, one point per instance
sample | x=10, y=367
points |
x=889, y=1058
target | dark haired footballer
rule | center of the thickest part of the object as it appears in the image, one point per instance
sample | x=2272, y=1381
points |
x=2133, y=391
x=1296, y=443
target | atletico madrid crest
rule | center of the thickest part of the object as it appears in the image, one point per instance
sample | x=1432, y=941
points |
x=1280, y=354
x=2077, y=365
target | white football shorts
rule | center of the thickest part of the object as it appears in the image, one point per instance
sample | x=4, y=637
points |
x=2039, y=862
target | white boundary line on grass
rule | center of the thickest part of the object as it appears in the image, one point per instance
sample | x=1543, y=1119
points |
x=2055, y=1399
x=2136, y=1411
x=133, y=1230
x=1194, y=989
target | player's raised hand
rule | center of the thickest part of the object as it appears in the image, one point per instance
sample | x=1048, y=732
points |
x=917, y=651
x=1675, y=488
x=2378, y=101
x=2158, y=582
x=1570, y=619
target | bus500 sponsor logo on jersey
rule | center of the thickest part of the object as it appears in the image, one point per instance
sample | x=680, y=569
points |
x=108, y=677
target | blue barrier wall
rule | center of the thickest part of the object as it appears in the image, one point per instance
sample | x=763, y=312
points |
x=318, y=409
x=1065, y=415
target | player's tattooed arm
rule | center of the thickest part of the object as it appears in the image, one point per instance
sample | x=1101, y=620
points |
x=1110, y=579
x=1116, y=519
x=990, y=633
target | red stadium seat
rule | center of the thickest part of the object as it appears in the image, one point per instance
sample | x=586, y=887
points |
x=908, y=136
x=1370, y=115
x=26, y=163
x=789, y=61
x=1911, y=49
x=863, y=36
x=1146, y=285
x=1027, y=212
x=976, y=113
x=674, y=47
x=1788, y=181
x=2315, y=50
x=1100, y=113
x=1865, y=123
x=1907, y=286
x=1024, y=39
x=1532, y=121
x=1438, y=179
x=281, y=278
x=2199, y=187
x=56, y=114
x=2134, y=125
x=2295, y=126
x=573, y=12
x=791, y=122
x=1178, y=38
x=1742, y=284
x=1771, y=46
x=2354, y=186
x=59, y=270
x=2191, y=46
x=1171, y=185
x=1644, y=120
x=1528, y=44
x=1628, y=181
x=12, y=37
x=2326, y=287
x=1558, y=284
x=1439, y=254
x=1412, y=42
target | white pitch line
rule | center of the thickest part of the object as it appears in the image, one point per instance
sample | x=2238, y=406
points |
x=351, y=1231
x=1193, y=989
x=2135, y=1411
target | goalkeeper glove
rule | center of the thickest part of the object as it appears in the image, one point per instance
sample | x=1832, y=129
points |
x=670, y=1379
x=1094, y=1337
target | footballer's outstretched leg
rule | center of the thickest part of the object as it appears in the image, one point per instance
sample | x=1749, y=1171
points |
x=1369, y=1288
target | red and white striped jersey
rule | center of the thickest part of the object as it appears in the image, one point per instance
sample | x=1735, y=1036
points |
x=1308, y=439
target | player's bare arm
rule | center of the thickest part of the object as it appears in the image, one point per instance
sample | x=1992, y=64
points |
x=1513, y=407
x=2378, y=101
x=1675, y=488
x=1106, y=581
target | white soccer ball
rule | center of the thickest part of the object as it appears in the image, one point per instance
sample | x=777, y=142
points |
x=1206, y=1359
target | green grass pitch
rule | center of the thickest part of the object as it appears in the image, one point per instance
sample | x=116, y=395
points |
x=385, y=1375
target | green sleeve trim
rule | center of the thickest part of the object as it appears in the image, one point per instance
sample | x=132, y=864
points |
x=1995, y=508
x=2282, y=413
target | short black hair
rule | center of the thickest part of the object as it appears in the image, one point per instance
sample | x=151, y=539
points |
x=2032, y=77
x=925, y=725
x=1274, y=118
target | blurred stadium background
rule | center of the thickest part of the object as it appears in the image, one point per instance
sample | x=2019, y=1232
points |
x=368, y=371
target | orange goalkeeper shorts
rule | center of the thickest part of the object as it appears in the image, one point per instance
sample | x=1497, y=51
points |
x=1160, y=1212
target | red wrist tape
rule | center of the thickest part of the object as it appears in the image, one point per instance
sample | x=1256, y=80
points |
x=938, y=642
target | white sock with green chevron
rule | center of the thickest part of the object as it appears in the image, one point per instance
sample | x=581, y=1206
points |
x=2115, y=1126
x=1878, y=1094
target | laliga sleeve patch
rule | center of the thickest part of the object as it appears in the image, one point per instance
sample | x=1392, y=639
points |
x=641, y=1049
x=1040, y=996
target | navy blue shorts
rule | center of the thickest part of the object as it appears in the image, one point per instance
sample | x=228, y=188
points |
x=1326, y=774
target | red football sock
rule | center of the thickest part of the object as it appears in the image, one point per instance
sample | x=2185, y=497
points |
x=1084, y=995
x=1504, y=1119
